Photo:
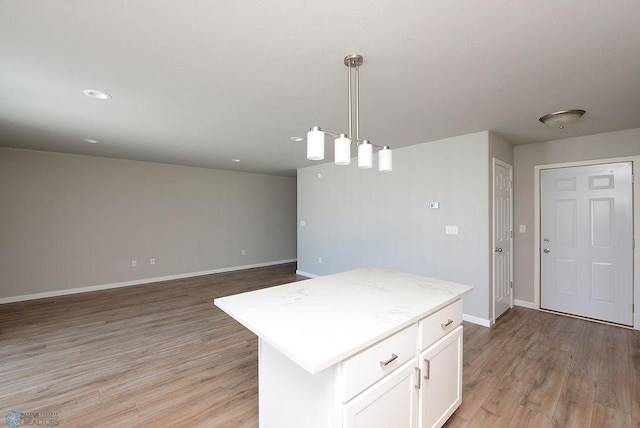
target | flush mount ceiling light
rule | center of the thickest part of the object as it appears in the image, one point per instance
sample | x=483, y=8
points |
x=98, y=95
x=342, y=148
x=561, y=119
x=90, y=140
x=297, y=139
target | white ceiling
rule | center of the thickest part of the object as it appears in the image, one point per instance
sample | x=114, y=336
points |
x=198, y=82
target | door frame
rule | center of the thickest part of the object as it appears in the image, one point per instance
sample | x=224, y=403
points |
x=493, y=236
x=635, y=162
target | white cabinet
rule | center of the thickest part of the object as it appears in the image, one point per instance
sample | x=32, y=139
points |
x=351, y=350
x=374, y=363
x=441, y=389
x=411, y=379
x=391, y=403
x=422, y=393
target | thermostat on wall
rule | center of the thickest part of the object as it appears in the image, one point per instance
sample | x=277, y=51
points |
x=434, y=205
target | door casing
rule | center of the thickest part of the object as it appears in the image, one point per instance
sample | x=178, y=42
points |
x=493, y=237
x=635, y=160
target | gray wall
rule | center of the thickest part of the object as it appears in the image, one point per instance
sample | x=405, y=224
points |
x=360, y=218
x=72, y=221
x=526, y=157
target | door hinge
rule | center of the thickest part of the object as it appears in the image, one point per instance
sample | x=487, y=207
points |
x=511, y=234
x=511, y=284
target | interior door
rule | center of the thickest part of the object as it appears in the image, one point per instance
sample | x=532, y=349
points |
x=586, y=228
x=502, y=239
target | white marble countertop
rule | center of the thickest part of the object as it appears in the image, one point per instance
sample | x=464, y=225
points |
x=320, y=322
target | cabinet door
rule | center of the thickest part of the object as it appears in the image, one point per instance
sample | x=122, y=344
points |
x=441, y=392
x=392, y=402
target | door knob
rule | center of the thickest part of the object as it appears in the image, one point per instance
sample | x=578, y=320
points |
x=546, y=251
x=498, y=250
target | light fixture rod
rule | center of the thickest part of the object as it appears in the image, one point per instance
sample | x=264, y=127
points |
x=349, y=95
x=357, y=102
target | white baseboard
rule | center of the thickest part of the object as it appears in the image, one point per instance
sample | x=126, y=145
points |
x=524, y=304
x=307, y=274
x=69, y=291
x=476, y=320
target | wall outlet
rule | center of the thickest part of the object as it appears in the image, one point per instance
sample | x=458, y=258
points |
x=320, y=260
x=523, y=228
x=244, y=252
x=134, y=263
x=152, y=261
x=303, y=223
x=451, y=230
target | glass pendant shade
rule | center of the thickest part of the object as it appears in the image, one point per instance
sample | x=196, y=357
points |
x=342, y=151
x=385, y=160
x=365, y=155
x=315, y=144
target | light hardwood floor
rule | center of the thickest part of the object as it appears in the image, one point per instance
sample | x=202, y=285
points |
x=163, y=355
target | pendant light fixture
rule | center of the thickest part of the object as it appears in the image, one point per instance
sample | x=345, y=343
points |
x=342, y=147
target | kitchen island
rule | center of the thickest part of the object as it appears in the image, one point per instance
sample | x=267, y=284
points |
x=365, y=348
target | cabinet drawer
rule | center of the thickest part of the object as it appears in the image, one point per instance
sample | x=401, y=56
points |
x=439, y=324
x=377, y=361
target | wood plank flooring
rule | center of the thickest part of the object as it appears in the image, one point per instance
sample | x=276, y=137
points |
x=162, y=355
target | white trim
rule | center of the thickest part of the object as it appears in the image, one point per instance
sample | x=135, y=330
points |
x=493, y=234
x=524, y=304
x=69, y=291
x=307, y=274
x=635, y=161
x=476, y=320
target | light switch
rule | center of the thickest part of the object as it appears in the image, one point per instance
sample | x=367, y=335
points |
x=451, y=230
x=523, y=228
x=434, y=205
x=303, y=223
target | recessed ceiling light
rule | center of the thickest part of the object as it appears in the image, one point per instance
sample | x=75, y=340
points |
x=89, y=140
x=235, y=160
x=297, y=139
x=98, y=95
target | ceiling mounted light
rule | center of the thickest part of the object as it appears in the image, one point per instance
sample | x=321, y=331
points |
x=98, y=95
x=561, y=119
x=342, y=154
x=90, y=140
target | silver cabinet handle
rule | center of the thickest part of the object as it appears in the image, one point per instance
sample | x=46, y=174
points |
x=447, y=324
x=546, y=251
x=428, y=374
x=389, y=361
x=417, y=385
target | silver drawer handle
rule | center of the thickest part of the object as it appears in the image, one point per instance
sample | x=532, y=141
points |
x=389, y=361
x=447, y=324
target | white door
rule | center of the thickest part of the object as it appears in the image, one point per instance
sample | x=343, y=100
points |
x=586, y=228
x=502, y=238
